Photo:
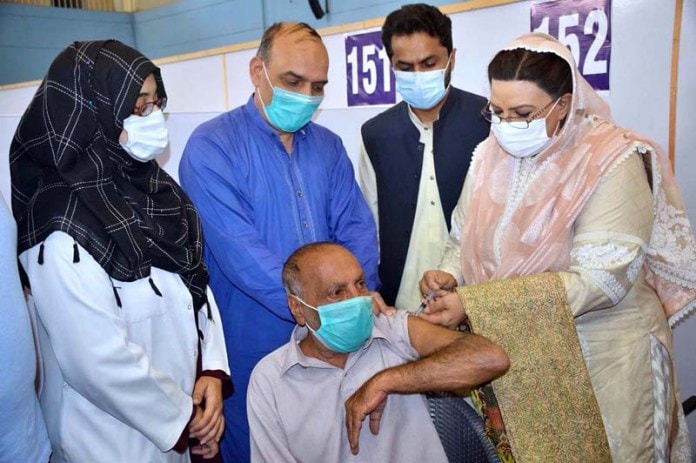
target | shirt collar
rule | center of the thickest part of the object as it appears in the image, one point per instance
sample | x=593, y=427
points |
x=295, y=356
x=425, y=133
x=415, y=120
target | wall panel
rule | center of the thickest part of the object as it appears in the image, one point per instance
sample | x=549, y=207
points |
x=31, y=36
x=184, y=27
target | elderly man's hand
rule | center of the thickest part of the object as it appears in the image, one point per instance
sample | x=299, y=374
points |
x=370, y=400
x=379, y=306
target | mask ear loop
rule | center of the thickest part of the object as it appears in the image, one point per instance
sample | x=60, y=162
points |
x=444, y=76
x=558, y=124
x=561, y=122
x=258, y=92
x=311, y=307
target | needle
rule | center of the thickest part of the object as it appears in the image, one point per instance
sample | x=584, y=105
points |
x=423, y=305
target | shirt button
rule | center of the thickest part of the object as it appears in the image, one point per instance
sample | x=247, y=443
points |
x=195, y=352
x=432, y=202
x=432, y=177
x=190, y=307
x=299, y=194
x=305, y=224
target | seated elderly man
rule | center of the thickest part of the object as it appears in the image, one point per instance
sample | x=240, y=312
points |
x=308, y=400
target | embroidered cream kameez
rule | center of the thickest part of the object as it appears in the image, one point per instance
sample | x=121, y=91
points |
x=624, y=335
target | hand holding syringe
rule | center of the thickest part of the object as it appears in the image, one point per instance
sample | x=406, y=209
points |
x=429, y=297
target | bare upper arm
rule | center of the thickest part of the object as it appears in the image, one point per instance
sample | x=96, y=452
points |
x=427, y=338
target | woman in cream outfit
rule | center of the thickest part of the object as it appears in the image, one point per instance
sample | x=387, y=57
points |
x=572, y=249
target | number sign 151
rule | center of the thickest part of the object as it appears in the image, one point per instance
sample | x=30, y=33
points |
x=368, y=70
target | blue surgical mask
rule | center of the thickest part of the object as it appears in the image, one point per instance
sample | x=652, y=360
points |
x=345, y=325
x=422, y=90
x=289, y=111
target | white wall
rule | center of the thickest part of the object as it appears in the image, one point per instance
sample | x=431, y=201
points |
x=640, y=84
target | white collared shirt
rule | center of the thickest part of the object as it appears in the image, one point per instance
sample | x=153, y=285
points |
x=429, y=230
x=296, y=404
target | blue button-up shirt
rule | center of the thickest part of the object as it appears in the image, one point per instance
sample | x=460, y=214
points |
x=258, y=204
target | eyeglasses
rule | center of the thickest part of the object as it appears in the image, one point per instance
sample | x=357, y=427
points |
x=147, y=108
x=516, y=122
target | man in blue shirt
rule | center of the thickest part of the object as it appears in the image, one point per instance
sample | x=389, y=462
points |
x=266, y=180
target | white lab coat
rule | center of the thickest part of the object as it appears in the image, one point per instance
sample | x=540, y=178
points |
x=117, y=381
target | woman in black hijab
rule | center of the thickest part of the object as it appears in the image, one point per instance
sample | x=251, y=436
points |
x=133, y=354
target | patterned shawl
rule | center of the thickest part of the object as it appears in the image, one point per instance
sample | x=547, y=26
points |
x=69, y=172
x=508, y=234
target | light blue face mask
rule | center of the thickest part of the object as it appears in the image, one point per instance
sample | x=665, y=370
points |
x=289, y=111
x=422, y=90
x=345, y=325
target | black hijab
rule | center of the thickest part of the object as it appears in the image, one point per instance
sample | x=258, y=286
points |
x=69, y=172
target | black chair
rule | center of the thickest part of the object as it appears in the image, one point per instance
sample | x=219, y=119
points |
x=461, y=430
x=689, y=405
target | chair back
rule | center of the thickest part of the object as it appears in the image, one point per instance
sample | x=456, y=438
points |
x=461, y=430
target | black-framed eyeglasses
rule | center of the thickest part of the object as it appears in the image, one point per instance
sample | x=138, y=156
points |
x=147, y=108
x=516, y=122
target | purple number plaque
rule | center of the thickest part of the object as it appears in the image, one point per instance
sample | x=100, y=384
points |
x=584, y=26
x=369, y=77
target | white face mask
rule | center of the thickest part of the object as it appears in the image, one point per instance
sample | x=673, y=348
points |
x=147, y=136
x=522, y=143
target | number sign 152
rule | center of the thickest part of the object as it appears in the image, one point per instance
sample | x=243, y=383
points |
x=584, y=27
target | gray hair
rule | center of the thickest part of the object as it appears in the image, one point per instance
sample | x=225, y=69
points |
x=291, y=270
